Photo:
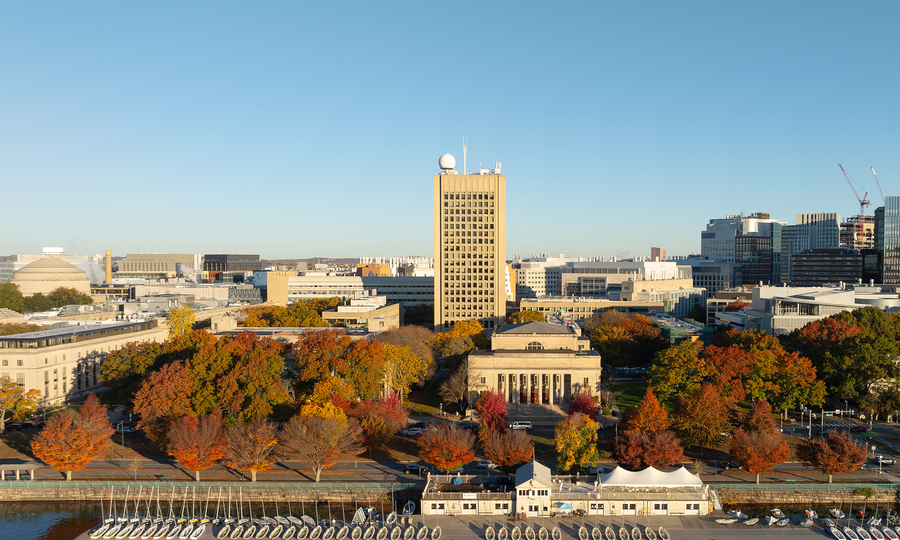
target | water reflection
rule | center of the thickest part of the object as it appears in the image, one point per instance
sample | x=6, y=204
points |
x=47, y=520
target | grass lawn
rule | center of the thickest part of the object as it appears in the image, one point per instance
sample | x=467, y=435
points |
x=631, y=393
x=426, y=401
x=544, y=448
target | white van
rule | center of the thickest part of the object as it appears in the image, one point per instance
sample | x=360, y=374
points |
x=521, y=425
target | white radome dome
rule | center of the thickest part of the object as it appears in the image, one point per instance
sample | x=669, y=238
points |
x=447, y=162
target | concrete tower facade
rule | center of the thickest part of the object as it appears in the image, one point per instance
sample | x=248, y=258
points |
x=469, y=246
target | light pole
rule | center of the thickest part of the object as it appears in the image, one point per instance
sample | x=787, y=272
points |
x=847, y=412
x=122, y=428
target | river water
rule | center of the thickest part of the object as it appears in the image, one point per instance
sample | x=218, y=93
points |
x=47, y=520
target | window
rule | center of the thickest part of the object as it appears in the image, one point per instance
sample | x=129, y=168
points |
x=437, y=506
x=5, y=362
x=534, y=346
x=586, y=381
x=482, y=380
x=470, y=506
x=665, y=506
x=20, y=362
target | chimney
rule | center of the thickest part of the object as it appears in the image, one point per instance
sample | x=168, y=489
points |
x=108, y=261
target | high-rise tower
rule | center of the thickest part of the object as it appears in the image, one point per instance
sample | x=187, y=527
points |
x=469, y=246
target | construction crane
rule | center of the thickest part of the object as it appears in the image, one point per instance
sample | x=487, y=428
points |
x=877, y=183
x=863, y=203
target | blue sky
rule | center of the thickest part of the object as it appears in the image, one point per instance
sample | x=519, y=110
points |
x=300, y=129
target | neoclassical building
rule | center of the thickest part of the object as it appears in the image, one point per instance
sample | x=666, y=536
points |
x=536, y=363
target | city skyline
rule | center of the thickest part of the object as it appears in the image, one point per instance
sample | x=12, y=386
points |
x=287, y=129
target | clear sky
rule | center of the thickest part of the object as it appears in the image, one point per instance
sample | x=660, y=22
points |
x=300, y=129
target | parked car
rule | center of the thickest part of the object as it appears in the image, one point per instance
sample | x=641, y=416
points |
x=859, y=429
x=593, y=469
x=521, y=425
x=124, y=429
x=414, y=468
x=485, y=464
x=16, y=426
x=884, y=460
x=732, y=465
x=408, y=432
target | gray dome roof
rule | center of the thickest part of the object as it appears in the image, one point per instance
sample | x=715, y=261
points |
x=50, y=270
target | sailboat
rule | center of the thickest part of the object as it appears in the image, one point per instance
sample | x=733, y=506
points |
x=105, y=522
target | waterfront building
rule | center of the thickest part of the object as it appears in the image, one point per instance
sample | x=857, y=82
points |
x=469, y=246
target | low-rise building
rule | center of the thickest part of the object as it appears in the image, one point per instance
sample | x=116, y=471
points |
x=536, y=363
x=581, y=308
x=534, y=492
x=64, y=363
x=371, y=313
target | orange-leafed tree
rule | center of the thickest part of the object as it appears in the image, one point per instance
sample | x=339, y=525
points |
x=491, y=407
x=832, y=454
x=759, y=419
x=198, y=442
x=447, y=446
x=164, y=397
x=249, y=446
x=701, y=417
x=737, y=305
x=648, y=416
x=658, y=449
x=322, y=441
x=68, y=443
x=584, y=403
x=379, y=419
x=509, y=449
x=758, y=451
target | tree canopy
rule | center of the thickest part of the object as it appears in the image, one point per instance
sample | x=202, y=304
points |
x=528, y=315
x=69, y=443
x=626, y=340
x=447, y=446
x=576, y=443
x=15, y=401
x=300, y=314
x=832, y=454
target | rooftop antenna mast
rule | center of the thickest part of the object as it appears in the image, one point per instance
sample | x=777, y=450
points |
x=464, y=154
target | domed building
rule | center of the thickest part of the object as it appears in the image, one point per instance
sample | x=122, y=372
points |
x=45, y=275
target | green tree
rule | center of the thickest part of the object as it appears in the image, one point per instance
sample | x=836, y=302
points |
x=576, y=443
x=38, y=302
x=67, y=296
x=525, y=316
x=11, y=298
x=180, y=320
x=678, y=369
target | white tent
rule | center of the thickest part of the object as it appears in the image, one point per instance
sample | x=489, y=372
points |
x=650, y=477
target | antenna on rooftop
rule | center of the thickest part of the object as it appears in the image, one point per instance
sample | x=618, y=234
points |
x=464, y=154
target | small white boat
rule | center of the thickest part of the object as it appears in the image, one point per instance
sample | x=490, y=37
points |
x=726, y=521
x=610, y=534
x=737, y=514
x=806, y=523
x=409, y=508
x=776, y=512
x=783, y=522
x=649, y=533
x=876, y=534
x=836, y=533
x=663, y=533
x=888, y=533
x=836, y=513
x=224, y=531
x=811, y=514
x=828, y=523
x=635, y=533
x=770, y=520
x=848, y=532
x=863, y=534
x=751, y=521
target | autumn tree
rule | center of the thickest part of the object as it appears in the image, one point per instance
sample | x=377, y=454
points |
x=300, y=314
x=638, y=451
x=509, y=449
x=403, y=368
x=249, y=445
x=584, y=403
x=832, y=454
x=9, y=329
x=164, y=397
x=198, y=443
x=758, y=452
x=576, y=442
x=124, y=369
x=322, y=441
x=737, y=305
x=416, y=338
x=491, y=406
x=678, y=369
x=15, y=401
x=700, y=417
x=463, y=336
x=648, y=416
x=447, y=447
x=759, y=419
x=67, y=296
x=633, y=339
x=180, y=320
x=68, y=443
x=379, y=419
x=524, y=316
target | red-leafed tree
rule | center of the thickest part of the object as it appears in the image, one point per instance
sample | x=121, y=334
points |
x=727, y=367
x=249, y=446
x=758, y=451
x=198, y=442
x=68, y=443
x=648, y=417
x=491, y=407
x=584, y=403
x=737, y=305
x=321, y=441
x=833, y=454
x=447, y=447
x=510, y=449
x=164, y=397
x=759, y=419
x=701, y=417
x=637, y=451
x=379, y=419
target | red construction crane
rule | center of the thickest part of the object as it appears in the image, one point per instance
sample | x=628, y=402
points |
x=877, y=183
x=863, y=203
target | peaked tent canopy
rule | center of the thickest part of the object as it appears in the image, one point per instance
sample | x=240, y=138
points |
x=649, y=477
